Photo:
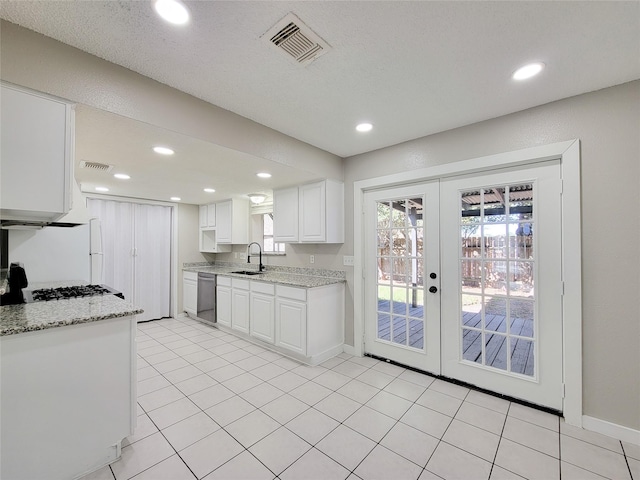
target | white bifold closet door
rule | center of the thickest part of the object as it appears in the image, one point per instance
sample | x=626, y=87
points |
x=136, y=242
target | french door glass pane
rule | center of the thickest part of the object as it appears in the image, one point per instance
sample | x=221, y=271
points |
x=472, y=345
x=400, y=272
x=497, y=270
x=384, y=327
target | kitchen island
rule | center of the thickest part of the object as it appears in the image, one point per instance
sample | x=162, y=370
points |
x=68, y=377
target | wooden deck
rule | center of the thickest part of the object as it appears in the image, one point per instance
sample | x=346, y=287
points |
x=522, y=351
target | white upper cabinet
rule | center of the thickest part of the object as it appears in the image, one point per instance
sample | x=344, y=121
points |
x=208, y=216
x=232, y=221
x=36, y=157
x=311, y=213
x=285, y=215
x=223, y=224
x=211, y=215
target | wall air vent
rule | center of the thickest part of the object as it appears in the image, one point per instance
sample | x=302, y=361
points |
x=294, y=38
x=100, y=167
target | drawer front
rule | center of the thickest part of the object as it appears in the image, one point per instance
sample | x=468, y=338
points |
x=240, y=283
x=262, y=287
x=226, y=281
x=294, y=293
x=190, y=276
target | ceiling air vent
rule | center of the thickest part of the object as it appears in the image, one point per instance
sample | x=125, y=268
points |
x=100, y=167
x=297, y=40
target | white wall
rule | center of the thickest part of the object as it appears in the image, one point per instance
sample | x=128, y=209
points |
x=607, y=122
x=53, y=253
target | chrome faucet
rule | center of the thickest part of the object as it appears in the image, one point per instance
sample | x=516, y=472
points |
x=260, y=267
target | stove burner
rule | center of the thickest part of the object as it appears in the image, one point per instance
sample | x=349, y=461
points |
x=48, y=294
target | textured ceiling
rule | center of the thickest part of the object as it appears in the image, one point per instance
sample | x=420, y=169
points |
x=410, y=68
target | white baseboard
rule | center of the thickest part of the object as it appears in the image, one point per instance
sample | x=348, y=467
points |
x=614, y=430
x=349, y=349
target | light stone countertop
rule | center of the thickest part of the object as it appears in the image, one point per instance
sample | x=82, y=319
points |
x=3, y=280
x=296, y=277
x=29, y=317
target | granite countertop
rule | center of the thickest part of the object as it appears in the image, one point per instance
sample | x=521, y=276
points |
x=297, y=277
x=3, y=280
x=29, y=317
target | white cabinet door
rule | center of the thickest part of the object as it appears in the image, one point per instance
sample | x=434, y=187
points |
x=232, y=221
x=285, y=215
x=240, y=306
x=190, y=293
x=263, y=316
x=223, y=305
x=208, y=215
x=35, y=154
x=223, y=213
x=313, y=212
x=203, y=215
x=211, y=215
x=291, y=325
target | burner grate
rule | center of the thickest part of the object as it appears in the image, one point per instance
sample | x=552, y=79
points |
x=76, y=291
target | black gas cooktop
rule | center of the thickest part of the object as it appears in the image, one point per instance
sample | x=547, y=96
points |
x=61, y=293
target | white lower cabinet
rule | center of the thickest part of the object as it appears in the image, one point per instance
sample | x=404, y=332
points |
x=262, y=311
x=306, y=324
x=190, y=293
x=240, y=305
x=223, y=301
x=291, y=319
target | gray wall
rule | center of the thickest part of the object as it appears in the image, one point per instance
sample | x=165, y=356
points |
x=607, y=122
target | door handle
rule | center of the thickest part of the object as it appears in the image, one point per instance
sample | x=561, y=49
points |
x=433, y=289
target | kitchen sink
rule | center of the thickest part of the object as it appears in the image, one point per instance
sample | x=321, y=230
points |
x=248, y=272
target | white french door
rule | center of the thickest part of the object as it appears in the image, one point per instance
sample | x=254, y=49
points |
x=502, y=294
x=402, y=256
x=463, y=279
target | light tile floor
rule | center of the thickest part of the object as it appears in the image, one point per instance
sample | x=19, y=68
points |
x=214, y=406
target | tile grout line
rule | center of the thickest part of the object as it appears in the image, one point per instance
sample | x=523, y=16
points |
x=559, y=451
x=255, y=407
x=307, y=380
x=624, y=453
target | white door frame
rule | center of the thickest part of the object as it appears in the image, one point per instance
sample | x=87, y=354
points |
x=568, y=153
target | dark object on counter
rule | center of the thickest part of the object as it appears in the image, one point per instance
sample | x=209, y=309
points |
x=17, y=280
x=75, y=291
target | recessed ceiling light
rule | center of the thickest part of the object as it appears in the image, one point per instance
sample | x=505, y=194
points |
x=172, y=11
x=528, y=71
x=176, y=199
x=102, y=189
x=209, y=190
x=122, y=176
x=163, y=150
x=364, y=127
x=263, y=175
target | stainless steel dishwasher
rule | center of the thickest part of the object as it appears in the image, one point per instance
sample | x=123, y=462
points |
x=206, y=309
